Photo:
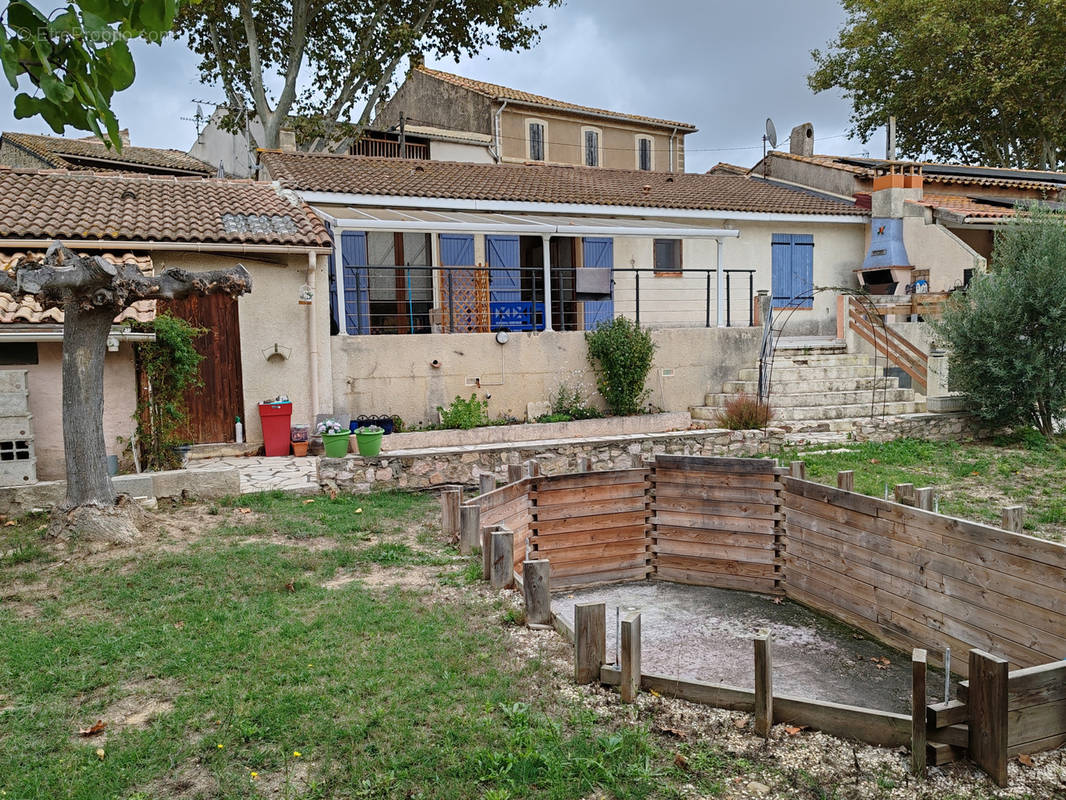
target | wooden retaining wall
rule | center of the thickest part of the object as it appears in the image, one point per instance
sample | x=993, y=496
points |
x=509, y=506
x=593, y=527
x=918, y=579
x=716, y=522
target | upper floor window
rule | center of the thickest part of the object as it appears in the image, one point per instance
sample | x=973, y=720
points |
x=644, y=153
x=592, y=147
x=667, y=255
x=536, y=141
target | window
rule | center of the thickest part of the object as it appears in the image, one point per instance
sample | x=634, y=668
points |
x=644, y=153
x=536, y=141
x=17, y=354
x=667, y=255
x=792, y=265
x=592, y=147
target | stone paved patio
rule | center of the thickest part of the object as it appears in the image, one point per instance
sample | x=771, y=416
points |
x=262, y=474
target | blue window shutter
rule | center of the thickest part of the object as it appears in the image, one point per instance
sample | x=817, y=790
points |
x=505, y=285
x=803, y=269
x=781, y=269
x=356, y=282
x=598, y=253
x=456, y=250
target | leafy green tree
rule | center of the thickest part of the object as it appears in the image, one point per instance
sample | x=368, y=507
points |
x=77, y=57
x=978, y=82
x=621, y=352
x=346, y=51
x=1007, y=331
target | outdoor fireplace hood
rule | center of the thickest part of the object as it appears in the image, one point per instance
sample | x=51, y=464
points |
x=886, y=245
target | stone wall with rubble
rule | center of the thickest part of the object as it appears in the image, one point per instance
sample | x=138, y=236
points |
x=464, y=465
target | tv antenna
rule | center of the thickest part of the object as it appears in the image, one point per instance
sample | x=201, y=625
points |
x=197, y=118
x=771, y=137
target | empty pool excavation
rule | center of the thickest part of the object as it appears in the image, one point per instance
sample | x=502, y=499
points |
x=740, y=584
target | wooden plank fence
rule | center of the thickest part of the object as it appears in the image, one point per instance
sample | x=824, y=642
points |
x=509, y=506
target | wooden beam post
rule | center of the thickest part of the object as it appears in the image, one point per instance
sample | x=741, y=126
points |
x=1013, y=518
x=469, y=528
x=537, y=592
x=584, y=463
x=486, y=550
x=450, y=499
x=905, y=493
x=533, y=468
x=987, y=700
x=515, y=472
x=923, y=498
x=501, y=573
x=846, y=480
x=486, y=482
x=798, y=469
x=590, y=641
x=764, y=684
x=630, y=651
x=918, y=714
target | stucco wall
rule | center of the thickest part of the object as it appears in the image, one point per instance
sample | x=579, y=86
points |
x=394, y=374
x=45, y=381
x=453, y=151
x=438, y=104
x=270, y=315
x=937, y=249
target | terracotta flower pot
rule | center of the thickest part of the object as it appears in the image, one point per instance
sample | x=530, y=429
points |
x=299, y=449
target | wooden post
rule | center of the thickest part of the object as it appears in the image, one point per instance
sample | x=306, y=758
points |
x=469, y=528
x=923, y=498
x=486, y=483
x=1013, y=518
x=486, y=552
x=584, y=463
x=764, y=684
x=450, y=498
x=515, y=472
x=533, y=468
x=905, y=493
x=846, y=480
x=987, y=702
x=918, y=718
x=535, y=587
x=501, y=571
x=630, y=651
x=799, y=469
x=590, y=641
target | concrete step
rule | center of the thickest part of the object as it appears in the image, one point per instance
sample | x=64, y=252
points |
x=811, y=344
x=789, y=414
x=809, y=373
x=779, y=399
x=778, y=386
x=821, y=360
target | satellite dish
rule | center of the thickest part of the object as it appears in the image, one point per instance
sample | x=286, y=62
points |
x=771, y=132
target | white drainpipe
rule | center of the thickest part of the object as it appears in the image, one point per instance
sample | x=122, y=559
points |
x=497, y=133
x=720, y=281
x=547, y=283
x=312, y=332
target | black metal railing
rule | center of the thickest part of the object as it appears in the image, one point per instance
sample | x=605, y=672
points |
x=419, y=299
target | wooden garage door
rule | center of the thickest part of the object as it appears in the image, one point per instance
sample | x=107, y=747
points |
x=213, y=406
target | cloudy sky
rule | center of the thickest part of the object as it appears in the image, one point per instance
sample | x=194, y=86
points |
x=723, y=65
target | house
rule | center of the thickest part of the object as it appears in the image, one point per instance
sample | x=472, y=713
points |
x=54, y=152
x=261, y=345
x=429, y=257
x=517, y=126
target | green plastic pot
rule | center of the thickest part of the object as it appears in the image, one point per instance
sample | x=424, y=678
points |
x=336, y=444
x=368, y=442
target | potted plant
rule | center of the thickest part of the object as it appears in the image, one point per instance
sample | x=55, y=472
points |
x=299, y=436
x=368, y=439
x=334, y=438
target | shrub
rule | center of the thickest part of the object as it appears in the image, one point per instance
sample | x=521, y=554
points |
x=464, y=414
x=569, y=403
x=621, y=353
x=745, y=413
x=1007, y=332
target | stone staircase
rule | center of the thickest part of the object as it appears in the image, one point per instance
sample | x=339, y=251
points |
x=818, y=385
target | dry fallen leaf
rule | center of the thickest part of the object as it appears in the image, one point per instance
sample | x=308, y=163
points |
x=741, y=723
x=673, y=732
x=881, y=666
x=179, y=624
x=1025, y=758
x=332, y=494
x=777, y=601
x=10, y=523
x=245, y=510
x=792, y=730
x=92, y=730
x=291, y=585
x=358, y=511
x=680, y=761
x=100, y=753
x=308, y=502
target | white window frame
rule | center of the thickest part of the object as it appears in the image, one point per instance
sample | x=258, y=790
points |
x=527, y=121
x=599, y=145
x=637, y=138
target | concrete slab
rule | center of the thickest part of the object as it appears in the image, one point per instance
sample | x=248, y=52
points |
x=704, y=634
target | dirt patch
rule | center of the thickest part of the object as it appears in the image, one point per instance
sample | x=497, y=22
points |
x=295, y=783
x=405, y=577
x=312, y=544
x=138, y=704
x=190, y=781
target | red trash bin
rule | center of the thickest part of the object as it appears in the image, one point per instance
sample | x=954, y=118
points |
x=275, y=418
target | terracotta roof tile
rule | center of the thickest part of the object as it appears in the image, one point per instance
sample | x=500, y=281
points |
x=964, y=206
x=69, y=154
x=27, y=309
x=72, y=206
x=518, y=96
x=541, y=183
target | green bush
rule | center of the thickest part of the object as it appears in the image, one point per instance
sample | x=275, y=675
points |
x=569, y=403
x=464, y=414
x=1007, y=332
x=621, y=353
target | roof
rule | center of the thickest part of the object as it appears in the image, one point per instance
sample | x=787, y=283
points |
x=962, y=208
x=495, y=91
x=74, y=153
x=725, y=168
x=541, y=183
x=27, y=309
x=83, y=206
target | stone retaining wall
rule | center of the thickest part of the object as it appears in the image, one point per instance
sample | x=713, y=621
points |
x=419, y=469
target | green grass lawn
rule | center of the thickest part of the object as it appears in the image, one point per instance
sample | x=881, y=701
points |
x=972, y=480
